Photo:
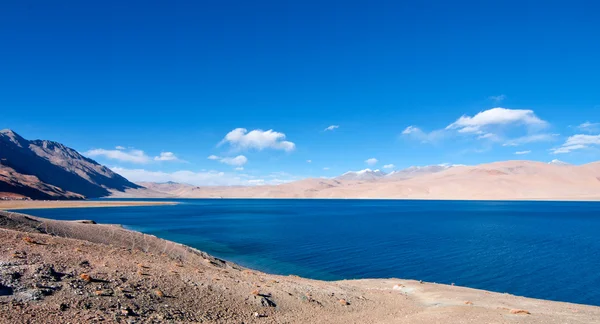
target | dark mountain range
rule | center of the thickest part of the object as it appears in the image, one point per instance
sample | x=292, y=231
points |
x=43, y=169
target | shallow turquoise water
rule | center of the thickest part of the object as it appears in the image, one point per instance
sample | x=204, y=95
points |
x=548, y=250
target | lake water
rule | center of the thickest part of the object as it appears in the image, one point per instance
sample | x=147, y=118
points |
x=548, y=250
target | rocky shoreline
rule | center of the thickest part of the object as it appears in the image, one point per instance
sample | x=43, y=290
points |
x=81, y=272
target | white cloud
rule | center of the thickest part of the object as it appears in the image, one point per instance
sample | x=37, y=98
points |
x=544, y=137
x=119, y=148
x=239, y=169
x=489, y=136
x=496, y=116
x=418, y=134
x=332, y=127
x=132, y=156
x=257, y=139
x=308, y=161
x=589, y=127
x=235, y=161
x=486, y=125
x=208, y=178
x=522, y=152
x=411, y=130
x=371, y=161
x=325, y=168
x=389, y=166
x=577, y=142
x=498, y=99
x=166, y=156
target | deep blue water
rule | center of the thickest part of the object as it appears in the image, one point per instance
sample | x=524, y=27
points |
x=548, y=250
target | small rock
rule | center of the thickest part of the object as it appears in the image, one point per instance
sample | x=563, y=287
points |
x=343, y=302
x=266, y=302
x=519, y=312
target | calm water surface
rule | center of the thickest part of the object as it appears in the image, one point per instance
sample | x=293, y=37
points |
x=548, y=250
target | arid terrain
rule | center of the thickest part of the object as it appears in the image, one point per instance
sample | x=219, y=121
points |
x=42, y=169
x=34, y=204
x=510, y=180
x=81, y=272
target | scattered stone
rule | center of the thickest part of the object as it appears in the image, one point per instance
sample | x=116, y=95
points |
x=86, y=277
x=398, y=287
x=468, y=303
x=266, y=302
x=159, y=293
x=47, y=272
x=86, y=221
x=257, y=315
x=343, y=302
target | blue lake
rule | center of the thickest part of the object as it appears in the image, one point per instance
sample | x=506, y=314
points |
x=548, y=250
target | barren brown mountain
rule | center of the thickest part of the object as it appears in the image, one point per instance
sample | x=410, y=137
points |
x=510, y=180
x=43, y=169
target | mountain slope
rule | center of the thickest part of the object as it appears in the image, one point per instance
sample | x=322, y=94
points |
x=415, y=171
x=362, y=175
x=509, y=180
x=55, y=166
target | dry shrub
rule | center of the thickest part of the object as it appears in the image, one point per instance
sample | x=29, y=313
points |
x=29, y=240
x=519, y=312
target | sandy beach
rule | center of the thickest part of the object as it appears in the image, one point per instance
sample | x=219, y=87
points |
x=59, y=271
x=36, y=204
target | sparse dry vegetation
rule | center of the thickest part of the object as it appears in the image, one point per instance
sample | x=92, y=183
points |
x=109, y=283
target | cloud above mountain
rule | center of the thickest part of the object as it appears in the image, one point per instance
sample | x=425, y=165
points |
x=166, y=156
x=495, y=116
x=493, y=126
x=202, y=178
x=238, y=161
x=131, y=156
x=577, y=142
x=371, y=161
x=257, y=139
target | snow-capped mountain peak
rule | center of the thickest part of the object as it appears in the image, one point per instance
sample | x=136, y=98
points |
x=366, y=174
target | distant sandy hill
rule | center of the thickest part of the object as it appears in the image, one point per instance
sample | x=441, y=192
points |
x=509, y=180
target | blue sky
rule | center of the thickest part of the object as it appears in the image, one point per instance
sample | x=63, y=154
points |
x=177, y=77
